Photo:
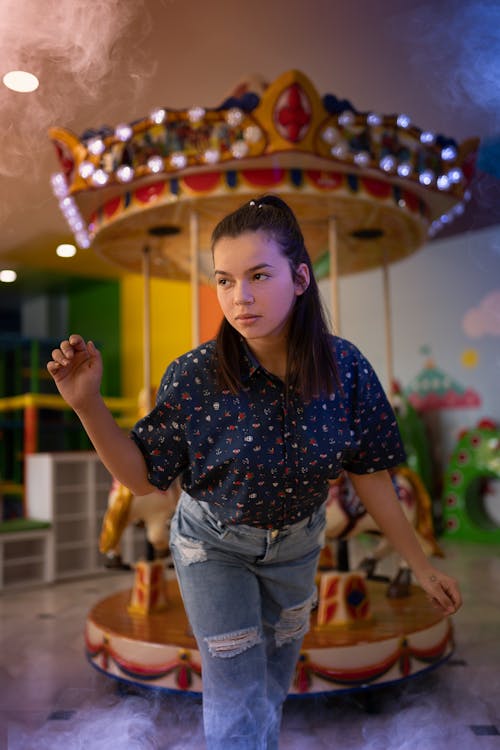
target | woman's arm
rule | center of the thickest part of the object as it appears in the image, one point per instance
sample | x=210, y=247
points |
x=76, y=368
x=377, y=494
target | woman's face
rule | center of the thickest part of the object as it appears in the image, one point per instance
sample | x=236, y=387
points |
x=255, y=287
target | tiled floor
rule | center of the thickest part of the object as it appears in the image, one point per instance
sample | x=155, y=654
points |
x=51, y=699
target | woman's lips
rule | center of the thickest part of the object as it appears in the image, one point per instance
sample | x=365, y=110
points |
x=247, y=319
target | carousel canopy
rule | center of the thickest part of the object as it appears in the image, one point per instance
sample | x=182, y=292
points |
x=387, y=183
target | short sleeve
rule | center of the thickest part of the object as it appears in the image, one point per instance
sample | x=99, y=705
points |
x=161, y=434
x=378, y=443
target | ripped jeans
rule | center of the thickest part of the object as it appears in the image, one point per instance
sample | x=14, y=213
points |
x=248, y=594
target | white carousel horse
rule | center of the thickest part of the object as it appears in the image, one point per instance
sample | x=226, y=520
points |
x=346, y=518
x=154, y=511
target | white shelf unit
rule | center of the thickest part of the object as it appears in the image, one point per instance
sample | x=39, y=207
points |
x=25, y=558
x=70, y=490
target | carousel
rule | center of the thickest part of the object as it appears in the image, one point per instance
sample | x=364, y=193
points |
x=368, y=190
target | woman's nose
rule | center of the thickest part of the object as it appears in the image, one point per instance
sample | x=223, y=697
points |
x=243, y=295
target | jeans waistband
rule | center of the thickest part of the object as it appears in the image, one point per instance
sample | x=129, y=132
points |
x=200, y=508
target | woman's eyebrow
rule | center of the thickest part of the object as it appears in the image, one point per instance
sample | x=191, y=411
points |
x=249, y=270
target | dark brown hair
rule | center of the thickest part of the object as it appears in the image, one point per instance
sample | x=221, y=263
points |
x=311, y=368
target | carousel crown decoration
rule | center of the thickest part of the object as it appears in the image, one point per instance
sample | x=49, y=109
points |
x=285, y=127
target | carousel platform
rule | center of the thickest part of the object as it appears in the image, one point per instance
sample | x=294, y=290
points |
x=403, y=638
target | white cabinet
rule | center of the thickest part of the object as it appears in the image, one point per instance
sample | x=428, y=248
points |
x=71, y=491
x=25, y=557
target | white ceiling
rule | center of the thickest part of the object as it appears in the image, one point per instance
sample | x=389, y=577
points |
x=109, y=62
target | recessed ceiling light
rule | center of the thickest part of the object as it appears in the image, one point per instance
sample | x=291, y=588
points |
x=21, y=81
x=8, y=276
x=66, y=251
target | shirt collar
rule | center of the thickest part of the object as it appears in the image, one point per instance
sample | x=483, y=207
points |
x=249, y=364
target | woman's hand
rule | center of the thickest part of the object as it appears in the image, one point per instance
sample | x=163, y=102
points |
x=76, y=368
x=379, y=498
x=441, y=589
x=77, y=371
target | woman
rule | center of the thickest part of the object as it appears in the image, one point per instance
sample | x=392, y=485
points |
x=255, y=423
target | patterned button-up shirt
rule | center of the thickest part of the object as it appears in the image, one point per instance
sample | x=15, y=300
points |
x=257, y=457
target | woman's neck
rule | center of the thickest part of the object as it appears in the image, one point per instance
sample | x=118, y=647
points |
x=271, y=355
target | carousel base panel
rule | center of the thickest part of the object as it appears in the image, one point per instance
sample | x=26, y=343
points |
x=403, y=638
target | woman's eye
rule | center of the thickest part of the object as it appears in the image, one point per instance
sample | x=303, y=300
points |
x=259, y=276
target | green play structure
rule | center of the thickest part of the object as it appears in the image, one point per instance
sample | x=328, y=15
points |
x=474, y=462
x=414, y=436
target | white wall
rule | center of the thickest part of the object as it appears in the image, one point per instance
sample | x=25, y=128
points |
x=431, y=292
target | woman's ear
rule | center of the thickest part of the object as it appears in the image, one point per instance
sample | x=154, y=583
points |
x=302, y=279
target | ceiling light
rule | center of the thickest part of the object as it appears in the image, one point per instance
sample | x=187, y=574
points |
x=8, y=276
x=66, y=251
x=21, y=81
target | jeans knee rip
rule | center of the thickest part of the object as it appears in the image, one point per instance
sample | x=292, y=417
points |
x=232, y=644
x=190, y=550
x=294, y=622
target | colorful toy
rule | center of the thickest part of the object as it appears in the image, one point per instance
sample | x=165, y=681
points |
x=346, y=517
x=149, y=594
x=343, y=599
x=475, y=460
x=401, y=639
x=154, y=510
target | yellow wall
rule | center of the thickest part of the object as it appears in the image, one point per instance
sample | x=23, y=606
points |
x=170, y=328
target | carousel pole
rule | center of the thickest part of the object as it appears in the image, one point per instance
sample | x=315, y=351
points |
x=195, y=278
x=388, y=324
x=146, y=274
x=342, y=547
x=334, y=273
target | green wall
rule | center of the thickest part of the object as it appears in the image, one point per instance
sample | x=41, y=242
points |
x=94, y=312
